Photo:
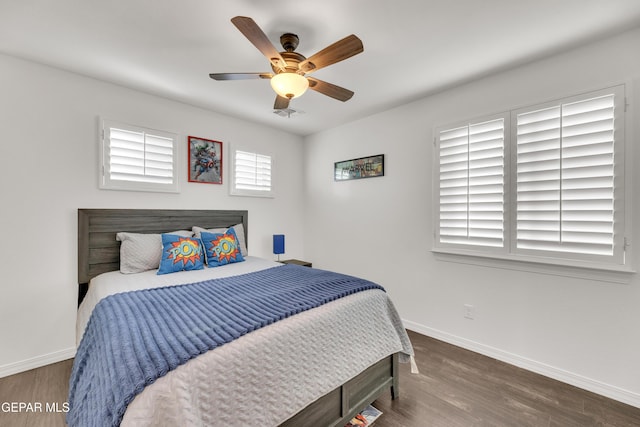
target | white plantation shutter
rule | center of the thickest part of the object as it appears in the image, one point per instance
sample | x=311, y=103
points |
x=541, y=184
x=565, y=177
x=471, y=184
x=251, y=174
x=135, y=158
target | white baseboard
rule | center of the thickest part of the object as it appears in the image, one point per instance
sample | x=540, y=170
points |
x=610, y=391
x=36, y=362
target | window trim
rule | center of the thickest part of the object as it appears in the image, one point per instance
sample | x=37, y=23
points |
x=586, y=270
x=234, y=191
x=523, y=260
x=104, y=181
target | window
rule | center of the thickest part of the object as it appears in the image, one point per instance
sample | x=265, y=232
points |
x=471, y=186
x=565, y=174
x=136, y=158
x=251, y=174
x=549, y=190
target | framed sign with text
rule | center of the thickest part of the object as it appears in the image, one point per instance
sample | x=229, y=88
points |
x=364, y=167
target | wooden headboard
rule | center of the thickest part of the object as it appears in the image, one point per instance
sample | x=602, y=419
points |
x=99, y=251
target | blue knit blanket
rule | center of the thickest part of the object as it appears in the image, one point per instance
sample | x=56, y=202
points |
x=134, y=338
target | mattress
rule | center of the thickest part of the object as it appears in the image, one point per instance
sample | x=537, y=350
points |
x=266, y=376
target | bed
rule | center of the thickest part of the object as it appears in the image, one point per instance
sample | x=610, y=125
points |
x=318, y=367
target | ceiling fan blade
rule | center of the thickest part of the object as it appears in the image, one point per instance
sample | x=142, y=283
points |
x=240, y=76
x=331, y=90
x=281, y=103
x=251, y=31
x=339, y=51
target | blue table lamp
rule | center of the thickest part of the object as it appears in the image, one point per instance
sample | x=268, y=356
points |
x=278, y=244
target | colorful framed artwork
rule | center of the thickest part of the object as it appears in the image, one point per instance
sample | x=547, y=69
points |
x=205, y=160
x=364, y=167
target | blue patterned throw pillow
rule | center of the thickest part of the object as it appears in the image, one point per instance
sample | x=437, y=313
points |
x=221, y=248
x=180, y=253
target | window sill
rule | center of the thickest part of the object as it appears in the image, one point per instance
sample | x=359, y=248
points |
x=589, y=271
x=259, y=194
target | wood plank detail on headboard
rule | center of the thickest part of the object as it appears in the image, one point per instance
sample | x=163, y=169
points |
x=99, y=251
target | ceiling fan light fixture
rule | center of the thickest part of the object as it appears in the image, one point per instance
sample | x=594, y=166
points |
x=289, y=85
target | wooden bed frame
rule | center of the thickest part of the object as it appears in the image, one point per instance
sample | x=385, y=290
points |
x=99, y=252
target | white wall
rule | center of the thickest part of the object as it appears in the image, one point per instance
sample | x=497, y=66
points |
x=48, y=169
x=582, y=331
x=586, y=332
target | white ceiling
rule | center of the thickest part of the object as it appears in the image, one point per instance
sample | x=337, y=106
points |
x=412, y=48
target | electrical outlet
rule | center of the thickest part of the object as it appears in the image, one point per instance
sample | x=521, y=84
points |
x=469, y=311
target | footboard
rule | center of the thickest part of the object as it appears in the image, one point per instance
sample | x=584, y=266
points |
x=336, y=408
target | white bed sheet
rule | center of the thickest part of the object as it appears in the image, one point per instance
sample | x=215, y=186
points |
x=265, y=377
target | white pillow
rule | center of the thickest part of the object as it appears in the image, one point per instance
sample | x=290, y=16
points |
x=141, y=252
x=238, y=228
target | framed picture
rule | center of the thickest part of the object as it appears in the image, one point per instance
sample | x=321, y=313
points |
x=364, y=167
x=205, y=160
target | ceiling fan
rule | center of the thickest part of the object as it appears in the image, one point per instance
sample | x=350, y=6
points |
x=289, y=78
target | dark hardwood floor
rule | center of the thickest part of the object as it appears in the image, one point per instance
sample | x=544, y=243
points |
x=46, y=385
x=455, y=387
